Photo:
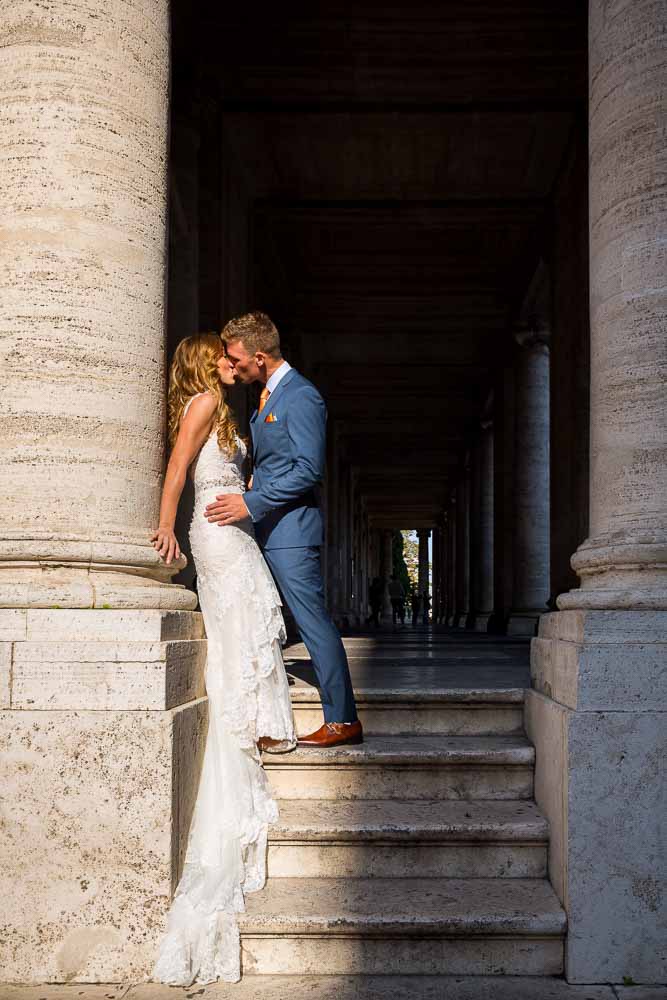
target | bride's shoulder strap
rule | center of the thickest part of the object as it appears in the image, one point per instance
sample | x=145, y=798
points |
x=196, y=396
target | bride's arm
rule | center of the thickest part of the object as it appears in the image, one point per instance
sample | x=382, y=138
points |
x=195, y=427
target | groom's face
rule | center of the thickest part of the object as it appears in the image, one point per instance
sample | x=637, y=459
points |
x=244, y=365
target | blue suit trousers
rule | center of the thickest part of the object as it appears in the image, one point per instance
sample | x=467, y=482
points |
x=298, y=574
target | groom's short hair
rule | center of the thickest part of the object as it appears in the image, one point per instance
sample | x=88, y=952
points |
x=256, y=331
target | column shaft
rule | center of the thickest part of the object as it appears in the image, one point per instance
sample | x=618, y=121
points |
x=463, y=548
x=623, y=562
x=530, y=591
x=452, y=534
x=387, y=569
x=485, y=569
x=82, y=320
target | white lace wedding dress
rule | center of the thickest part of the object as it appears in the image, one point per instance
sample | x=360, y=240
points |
x=248, y=697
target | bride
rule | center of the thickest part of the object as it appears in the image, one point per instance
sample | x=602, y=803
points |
x=248, y=694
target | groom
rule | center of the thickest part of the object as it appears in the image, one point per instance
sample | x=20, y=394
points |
x=289, y=446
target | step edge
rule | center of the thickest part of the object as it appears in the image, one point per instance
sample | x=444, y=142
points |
x=442, y=696
x=428, y=835
x=519, y=757
x=540, y=929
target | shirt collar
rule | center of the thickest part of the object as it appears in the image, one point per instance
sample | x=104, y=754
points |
x=278, y=375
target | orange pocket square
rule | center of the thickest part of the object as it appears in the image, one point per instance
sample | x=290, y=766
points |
x=271, y=419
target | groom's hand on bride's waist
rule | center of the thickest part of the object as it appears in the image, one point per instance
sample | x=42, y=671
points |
x=229, y=508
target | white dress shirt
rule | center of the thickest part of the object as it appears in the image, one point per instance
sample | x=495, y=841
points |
x=278, y=375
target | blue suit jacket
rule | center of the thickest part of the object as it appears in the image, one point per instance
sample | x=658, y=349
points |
x=289, y=462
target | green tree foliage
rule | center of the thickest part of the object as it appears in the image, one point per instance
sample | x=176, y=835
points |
x=400, y=566
x=411, y=557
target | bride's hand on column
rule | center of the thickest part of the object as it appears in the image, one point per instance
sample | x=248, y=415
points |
x=166, y=544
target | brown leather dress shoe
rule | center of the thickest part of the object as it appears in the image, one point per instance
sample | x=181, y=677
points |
x=334, y=734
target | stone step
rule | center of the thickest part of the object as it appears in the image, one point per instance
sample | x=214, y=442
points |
x=392, y=711
x=393, y=839
x=408, y=767
x=409, y=926
x=318, y=987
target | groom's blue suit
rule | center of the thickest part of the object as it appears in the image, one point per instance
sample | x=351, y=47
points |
x=289, y=447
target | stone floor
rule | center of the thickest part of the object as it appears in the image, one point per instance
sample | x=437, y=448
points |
x=421, y=658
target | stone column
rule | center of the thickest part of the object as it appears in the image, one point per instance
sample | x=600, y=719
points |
x=423, y=536
x=504, y=399
x=101, y=684
x=348, y=556
x=597, y=709
x=436, y=567
x=530, y=592
x=342, y=544
x=452, y=570
x=82, y=313
x=387, y=568
x=463, y=547
x=333, y=527
x=485, y=530
x=364, y=575
x=355, y=548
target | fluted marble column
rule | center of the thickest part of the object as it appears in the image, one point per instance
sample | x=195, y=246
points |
x=530, y=592
x=82, y=310
x=484, y=582
x=596, y=711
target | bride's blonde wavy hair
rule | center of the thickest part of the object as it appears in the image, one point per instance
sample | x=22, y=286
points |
x=195, y=369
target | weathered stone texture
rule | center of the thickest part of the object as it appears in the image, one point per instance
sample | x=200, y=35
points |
x=101, y=802
x=597, y=718
x=100, y=751
x=82, y=262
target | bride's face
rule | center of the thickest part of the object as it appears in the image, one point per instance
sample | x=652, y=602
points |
x=225, y=370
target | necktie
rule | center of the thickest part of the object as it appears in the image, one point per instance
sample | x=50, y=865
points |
x=263, y=396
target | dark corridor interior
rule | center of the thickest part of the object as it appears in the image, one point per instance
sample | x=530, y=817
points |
x=403, y=188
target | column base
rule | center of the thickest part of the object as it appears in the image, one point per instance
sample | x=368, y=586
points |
x=342, y=618
x=459, y=619
x=481, y=621
x=625, y=570
x=523, y=622
x=596, y=715
x=92, y=586
x=101, y=745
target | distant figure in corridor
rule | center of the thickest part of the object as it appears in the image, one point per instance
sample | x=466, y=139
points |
x=415, y=605
x=397, y=596
x=426, y=607
x=375, y=595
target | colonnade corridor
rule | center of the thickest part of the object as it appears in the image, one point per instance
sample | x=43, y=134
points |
x=454, y=211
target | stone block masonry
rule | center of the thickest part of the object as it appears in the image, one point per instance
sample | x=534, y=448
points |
x=100, y=750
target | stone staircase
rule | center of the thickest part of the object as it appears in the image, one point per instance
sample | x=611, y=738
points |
x=418, y=853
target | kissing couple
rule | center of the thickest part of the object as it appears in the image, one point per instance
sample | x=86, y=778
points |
x=246, y=541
